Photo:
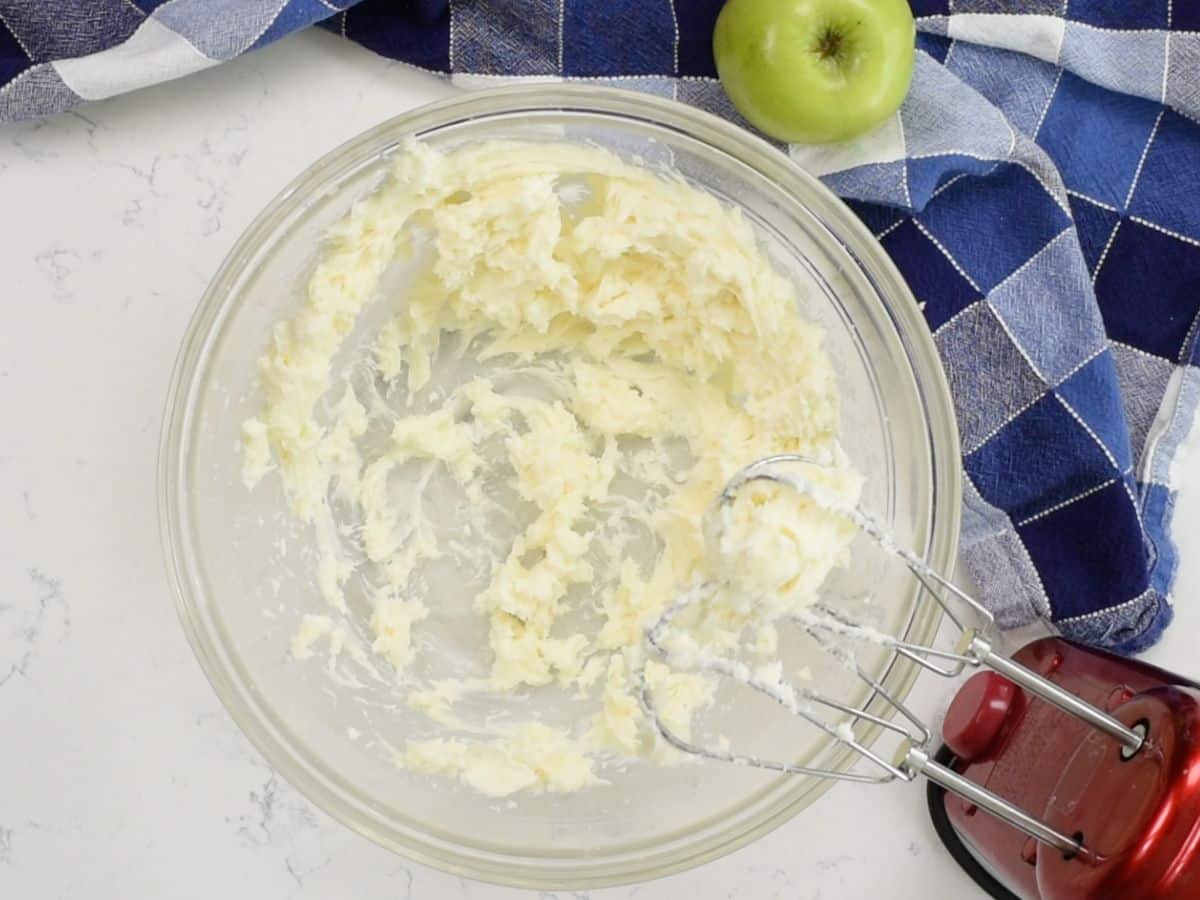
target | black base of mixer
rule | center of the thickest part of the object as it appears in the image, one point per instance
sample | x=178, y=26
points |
x=954, y=845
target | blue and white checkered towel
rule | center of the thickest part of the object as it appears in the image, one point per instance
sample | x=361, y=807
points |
x=1040, y=189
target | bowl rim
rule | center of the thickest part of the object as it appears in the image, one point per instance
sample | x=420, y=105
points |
x=897, y=303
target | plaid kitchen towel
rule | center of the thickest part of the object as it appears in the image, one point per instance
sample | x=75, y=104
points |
x=1039, y=189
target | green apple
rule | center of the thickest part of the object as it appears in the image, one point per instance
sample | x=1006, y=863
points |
x=815, y=71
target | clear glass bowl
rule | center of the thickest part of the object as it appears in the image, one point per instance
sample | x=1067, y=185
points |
x=218, y=538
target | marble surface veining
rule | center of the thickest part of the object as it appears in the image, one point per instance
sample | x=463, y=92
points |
x=122, y=776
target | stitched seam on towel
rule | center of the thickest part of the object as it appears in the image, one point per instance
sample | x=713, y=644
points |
x=1061, y=203
x=954, y=317
x=1141, y=352
x=675, y=26
x=562, y=33
x=278, y=12
x=1064, y=504
x=935, y=154
x=1108, y=610
x=1049, y=100
x=1029, y=262
x=1095, y=437
x=952, y=181
x=1093, y=201
x=409, y=65
x=1092, y=27
x=5, y=88
x=1137, y=173
x=1104, y=253
x=1188, y=339
x=1078, y=366
x=1166, y=231
x=1016, y=342
x=1167, y=52
x=699, y=79
x=882, y=234
x=967, y=451
x=1104, y=448
x=997, y=161
x=954, y=262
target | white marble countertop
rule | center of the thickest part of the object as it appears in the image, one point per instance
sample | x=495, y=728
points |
x=122, y=775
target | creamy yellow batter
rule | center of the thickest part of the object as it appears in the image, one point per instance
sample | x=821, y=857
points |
x=635, y=347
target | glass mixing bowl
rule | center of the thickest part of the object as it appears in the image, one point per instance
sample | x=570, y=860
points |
x=239, y=606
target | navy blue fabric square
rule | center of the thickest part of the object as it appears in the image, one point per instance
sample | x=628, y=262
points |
x=1082, y=567
x=930, y=276
x=404, y=15
x=424, y=11
x=1097, y=137
x=1149, y=289
x=1094, y=225
x=1121, y=13
x=1094, y=393
x=148, y=6
x=1185, y=16
x=992, y=225
x=13, y=60
x=930, y=7
x=1168, y=190
x=61, y=29
x=876, y=217
x=696, y=19
x=934, y=44
x=296, y=15
x=618, y=37
x=376, y=25
x=1041, y=458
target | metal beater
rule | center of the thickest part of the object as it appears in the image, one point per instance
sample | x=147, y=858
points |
x=830, y=628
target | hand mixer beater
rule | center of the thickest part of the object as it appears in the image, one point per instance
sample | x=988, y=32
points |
x=1088, y=763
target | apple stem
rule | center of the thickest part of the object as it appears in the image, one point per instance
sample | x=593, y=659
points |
x=829, y=44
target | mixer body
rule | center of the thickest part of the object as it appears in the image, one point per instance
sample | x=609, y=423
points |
x=1140, y=815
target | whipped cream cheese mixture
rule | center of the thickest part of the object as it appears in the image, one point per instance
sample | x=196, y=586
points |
x=588, y=351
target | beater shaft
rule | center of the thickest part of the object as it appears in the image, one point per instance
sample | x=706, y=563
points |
x=918, y=762
x=1047, y=690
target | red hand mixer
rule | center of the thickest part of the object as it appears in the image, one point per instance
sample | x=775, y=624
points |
x=1066, y=773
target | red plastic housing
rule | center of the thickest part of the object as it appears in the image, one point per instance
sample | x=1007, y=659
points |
x=1141, y=816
